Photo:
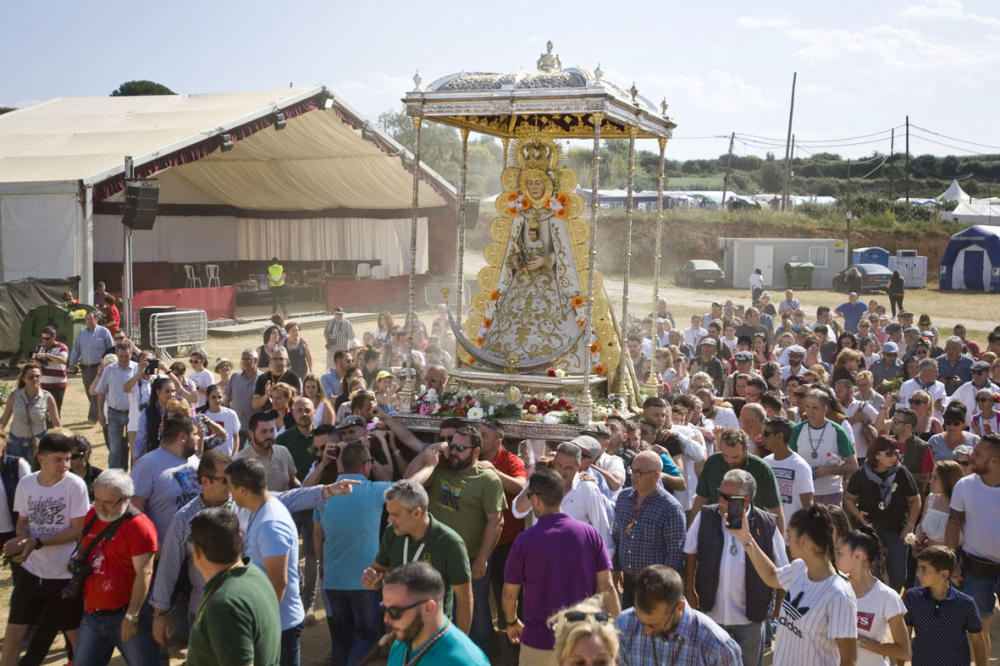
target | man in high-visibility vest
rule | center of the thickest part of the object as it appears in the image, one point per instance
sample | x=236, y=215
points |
x=276, y=283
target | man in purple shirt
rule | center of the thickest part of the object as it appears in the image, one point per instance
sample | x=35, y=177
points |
x=538, y=562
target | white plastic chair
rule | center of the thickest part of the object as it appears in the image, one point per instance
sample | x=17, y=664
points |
x=364, y=270
x=192, y=279
x=212, y=271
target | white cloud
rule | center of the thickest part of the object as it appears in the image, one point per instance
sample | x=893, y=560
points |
x=945, y=9
x=764, y=22
x=715, y=89
x=901, y=48
x=379, y=92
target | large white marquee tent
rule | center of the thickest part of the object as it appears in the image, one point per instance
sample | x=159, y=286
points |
x=327, y=186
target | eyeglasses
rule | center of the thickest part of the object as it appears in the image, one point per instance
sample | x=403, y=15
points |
x=985, y=399
x=917, y=401
x=578, y=616
x=730, y=498
x=218, y=479
x=459, y=447
x=195, y=361
x=396, y=612
x=964, y=463
x=115, y=503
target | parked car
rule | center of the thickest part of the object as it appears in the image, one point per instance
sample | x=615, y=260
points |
x=874, y=277
x=699, y=272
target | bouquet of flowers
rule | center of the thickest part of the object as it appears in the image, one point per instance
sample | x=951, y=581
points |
x=447, y=404
x=547, y=403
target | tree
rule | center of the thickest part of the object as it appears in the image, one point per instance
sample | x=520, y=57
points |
x=440, y=145
x=949, y=166
x=132, y=88
x=5, y=109
x=771, y=178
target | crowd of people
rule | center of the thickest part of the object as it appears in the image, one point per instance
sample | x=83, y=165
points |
x=826, y=488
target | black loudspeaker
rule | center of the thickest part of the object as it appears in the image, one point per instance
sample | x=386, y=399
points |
x=471, y=212
x=141, y=202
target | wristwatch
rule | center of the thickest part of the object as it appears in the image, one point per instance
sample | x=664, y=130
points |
x=38, y=543
x=132, y=617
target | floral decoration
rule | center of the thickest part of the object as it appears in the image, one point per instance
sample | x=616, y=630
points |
x=578, y=301
x=600, y=369
x=494, y=295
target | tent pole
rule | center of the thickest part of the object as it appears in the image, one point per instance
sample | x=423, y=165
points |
x=459, y=266
x=86, y=294
x=406, y=394
x=128, y=286
x=652, y=386
x=586, y=402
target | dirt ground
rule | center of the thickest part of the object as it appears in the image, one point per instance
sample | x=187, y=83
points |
x=945, y=308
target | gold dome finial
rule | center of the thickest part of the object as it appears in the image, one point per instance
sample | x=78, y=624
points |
x=548, y=62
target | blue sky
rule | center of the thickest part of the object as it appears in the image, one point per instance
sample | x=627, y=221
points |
x=722, y=66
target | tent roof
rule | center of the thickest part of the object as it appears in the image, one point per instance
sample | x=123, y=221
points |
x=954, y=193
x=327, y=156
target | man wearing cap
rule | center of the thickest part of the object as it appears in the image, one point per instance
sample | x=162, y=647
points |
x=966, y=393
x=889, y=367
x=744, y=366
x=338, y=334
x=590, y=449
x=709, y=363
x=954, y=367
x=796, y=354
x=911, y=337
x=610, y=467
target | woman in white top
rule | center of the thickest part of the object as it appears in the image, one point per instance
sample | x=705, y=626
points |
x=222, y=423
x=818, y=621
x=312, y=389
x=882, y=634
x=937, y=506
x=987, y=417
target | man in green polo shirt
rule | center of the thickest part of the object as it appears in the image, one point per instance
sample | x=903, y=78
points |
x=734, y=453
x=414, y=536
x=238, y=620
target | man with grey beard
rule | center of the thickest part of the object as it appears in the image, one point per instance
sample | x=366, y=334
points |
x=118, y=543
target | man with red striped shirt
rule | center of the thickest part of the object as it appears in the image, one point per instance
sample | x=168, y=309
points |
x=53, y=356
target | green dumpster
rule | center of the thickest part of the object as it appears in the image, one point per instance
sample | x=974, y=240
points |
x=51, y=315
x=799, y=274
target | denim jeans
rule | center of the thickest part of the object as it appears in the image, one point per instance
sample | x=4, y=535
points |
x=353, y=618
x=895, y=558
x=117, y=440
x=751, y=640
x=101, y=634
x=24, y=447
x=481, y=632
x=984, y=591
x=309, y=580
x=290, y=650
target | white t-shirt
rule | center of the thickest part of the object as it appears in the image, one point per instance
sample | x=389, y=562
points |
x=794, y=478
x=615, y=465
x=202, y=379
x=828, y=452
x=229, y=420
x=731, y=594
x=860, y=445
x=981, y=505
x=694, y=450
x=875, y=609
x=813, y=615
x=50, y=510
x=7, y=520
x=936, y=391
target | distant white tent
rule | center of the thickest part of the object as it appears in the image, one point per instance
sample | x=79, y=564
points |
x=977, y=211
x=953, y=193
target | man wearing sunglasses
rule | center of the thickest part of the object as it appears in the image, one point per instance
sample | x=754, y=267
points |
x=471, y=501
x=52, y=355
x=413, y=609
x=916, y=454
x=926, y=380
x=966, y=393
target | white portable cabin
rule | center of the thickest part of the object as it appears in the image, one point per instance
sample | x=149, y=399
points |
x=743, y=255
x=912, y=269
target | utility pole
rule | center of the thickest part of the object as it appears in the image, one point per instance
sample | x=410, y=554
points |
x=788, y=143
x=907, y=159
x=729, y=161
x=892, y=183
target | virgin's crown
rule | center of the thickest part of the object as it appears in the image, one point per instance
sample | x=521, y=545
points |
x=537, y=153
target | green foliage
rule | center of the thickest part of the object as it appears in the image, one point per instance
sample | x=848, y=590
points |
x=132, y=88
x=6, y=109
x=771, y=177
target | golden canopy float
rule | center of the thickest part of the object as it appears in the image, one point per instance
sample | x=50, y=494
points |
x=541, y=320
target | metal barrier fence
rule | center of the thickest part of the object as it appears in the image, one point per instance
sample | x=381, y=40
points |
x=179, y=328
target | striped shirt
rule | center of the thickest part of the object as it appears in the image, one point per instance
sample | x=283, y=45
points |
x=814, y=614
x=53, y=373
x=174, y=549
x=697, y=641
x=940, y=627
x=648, y=533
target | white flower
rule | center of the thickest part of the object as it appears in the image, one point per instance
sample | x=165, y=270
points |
x=560, y=372
x=475, y=413
x=431, y=395
x=552, y=418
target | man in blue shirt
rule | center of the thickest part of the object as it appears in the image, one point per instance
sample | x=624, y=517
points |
x=111, y=393
x=88, y=350
x=851, y=311
x=413, y=609
x=346, y=534
x=662, y=629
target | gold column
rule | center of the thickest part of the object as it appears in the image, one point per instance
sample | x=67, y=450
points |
x=586, y=406
x=652, y=386
x=459, y=266
x=623, y=382
x=406, y=394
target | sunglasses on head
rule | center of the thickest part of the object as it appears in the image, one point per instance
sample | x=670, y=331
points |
x=579, y=616
x=396, y=612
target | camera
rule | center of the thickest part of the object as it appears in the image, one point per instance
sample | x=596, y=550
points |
x=79, y=570
x=152, y=366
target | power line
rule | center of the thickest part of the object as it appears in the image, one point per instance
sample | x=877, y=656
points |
x=951, y=138
x=946, y=145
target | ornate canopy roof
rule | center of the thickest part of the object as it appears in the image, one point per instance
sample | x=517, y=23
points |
x=557, y=102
